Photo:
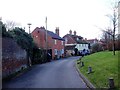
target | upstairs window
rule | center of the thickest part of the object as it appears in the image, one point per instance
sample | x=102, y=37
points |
x=55, y=42
x=62, y=42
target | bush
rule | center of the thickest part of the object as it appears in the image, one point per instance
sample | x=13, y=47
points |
x=39, y=56
x=96, y=47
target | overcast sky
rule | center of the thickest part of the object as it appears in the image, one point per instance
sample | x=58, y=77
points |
x=80, y=15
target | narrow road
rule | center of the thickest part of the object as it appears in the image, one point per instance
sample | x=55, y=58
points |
x=56, y=74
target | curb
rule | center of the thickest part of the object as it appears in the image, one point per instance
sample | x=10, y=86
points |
x=88, y=83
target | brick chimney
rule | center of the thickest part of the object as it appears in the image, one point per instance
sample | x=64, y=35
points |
x=74, y=32
x=57, y=31
x=42, y=27
x=70, y=32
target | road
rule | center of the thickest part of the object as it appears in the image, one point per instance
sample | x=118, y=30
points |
x=56, y=74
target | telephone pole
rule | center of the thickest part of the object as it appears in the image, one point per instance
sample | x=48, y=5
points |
x=29, y=24
x=46, y=35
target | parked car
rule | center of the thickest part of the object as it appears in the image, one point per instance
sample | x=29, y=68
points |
x=84, y=52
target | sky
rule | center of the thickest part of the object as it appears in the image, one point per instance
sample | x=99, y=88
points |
x=83, y=16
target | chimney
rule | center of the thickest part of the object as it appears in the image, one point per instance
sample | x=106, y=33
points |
x=42, y=27
x=57, y=31
x=70, y=32
x=74, y=32
x=85, y=39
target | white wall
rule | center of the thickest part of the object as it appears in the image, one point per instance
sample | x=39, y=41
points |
x=82, y=46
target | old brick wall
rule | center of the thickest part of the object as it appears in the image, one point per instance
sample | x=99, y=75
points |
x=13, y=57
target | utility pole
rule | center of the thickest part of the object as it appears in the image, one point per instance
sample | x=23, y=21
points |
x=29, y=24
x=0, y=18
x=46, y=35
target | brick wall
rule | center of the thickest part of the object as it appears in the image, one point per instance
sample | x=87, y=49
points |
x=13, y=57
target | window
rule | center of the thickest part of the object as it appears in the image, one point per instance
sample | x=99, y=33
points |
x=55, y=51
x=62, y=42
x=77, y=39
x=82, y=45
x=66, y=40
x=62, y=51
x=55, y=42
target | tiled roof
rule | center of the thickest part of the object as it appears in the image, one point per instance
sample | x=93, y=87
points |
x=80, y=41
x=50, y=33
x=54, y=36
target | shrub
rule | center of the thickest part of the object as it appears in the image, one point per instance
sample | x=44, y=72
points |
x=96, y=47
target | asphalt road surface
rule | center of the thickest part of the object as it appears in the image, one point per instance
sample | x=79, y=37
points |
x=56, y=74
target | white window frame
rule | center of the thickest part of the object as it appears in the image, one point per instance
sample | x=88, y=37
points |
x=62, y=42
x=55, y=42
x=62, y=50
x=55, y=51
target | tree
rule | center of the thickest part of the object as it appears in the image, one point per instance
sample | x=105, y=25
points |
x=3, y=31
x=96, y=47
x=10, y=25
x=24, y=40
x=114, y=18
x=107, y=38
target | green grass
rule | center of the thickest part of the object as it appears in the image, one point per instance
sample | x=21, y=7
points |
x=104, y=65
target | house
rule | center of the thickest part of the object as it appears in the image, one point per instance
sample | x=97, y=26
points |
x=73, y=41
x=49, y=40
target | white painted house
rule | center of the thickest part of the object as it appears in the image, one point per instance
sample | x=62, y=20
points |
x=82, y=46
x=75, y=41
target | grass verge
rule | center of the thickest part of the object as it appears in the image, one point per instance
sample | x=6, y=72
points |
x=104, y=65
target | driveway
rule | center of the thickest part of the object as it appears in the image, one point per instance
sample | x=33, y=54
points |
x=56, y=74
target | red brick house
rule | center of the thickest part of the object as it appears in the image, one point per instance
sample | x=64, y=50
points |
x=55, y=44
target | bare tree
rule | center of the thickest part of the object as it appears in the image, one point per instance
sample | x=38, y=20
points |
x=114, y=18
x=10, y=25
x=111, y=31
x=106, y=37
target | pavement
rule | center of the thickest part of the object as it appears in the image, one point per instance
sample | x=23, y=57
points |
x=56, y=74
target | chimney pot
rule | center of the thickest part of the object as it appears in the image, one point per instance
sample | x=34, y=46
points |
x=70, y=32
x=57, y=31
x=74, y=32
